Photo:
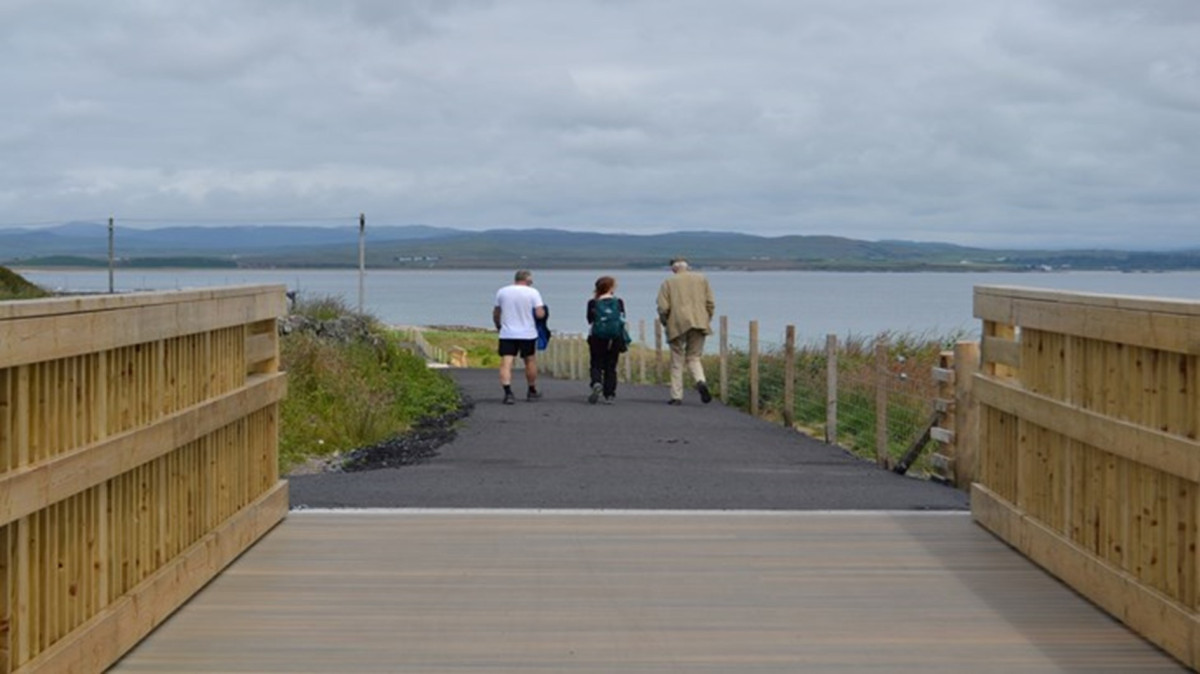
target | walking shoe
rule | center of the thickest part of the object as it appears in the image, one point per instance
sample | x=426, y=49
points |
x=595, y=394
x=509, y=398
x=705, y=396
x=608, y=400
x=533, y=395
x=674, y=401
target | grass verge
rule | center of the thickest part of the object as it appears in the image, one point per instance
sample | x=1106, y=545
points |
x=351, y=384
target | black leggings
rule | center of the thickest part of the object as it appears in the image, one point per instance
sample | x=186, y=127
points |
x=604, y=356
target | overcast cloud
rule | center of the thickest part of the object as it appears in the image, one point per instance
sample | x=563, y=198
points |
x=1063, y=123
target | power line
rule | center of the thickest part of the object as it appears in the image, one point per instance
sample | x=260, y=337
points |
x=102, y=221
x=330, y=218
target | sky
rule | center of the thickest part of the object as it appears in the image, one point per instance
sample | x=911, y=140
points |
x=995, y=123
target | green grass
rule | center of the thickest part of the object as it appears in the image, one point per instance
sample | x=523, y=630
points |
x=346, y=395
x=13, y=286
x=480, y=344
x=908, y=379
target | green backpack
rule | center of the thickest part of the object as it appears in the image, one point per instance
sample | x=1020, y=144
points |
x=610, y=321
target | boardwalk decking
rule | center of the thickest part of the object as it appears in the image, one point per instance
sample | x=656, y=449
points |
x=700, y=540
x=519, y=591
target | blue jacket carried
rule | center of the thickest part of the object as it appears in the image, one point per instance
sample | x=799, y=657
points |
x=543, y=338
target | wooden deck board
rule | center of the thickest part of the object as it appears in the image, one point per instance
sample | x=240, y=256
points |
x=518, y=591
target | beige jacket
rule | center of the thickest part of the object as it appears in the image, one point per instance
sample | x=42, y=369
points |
x=685, y=302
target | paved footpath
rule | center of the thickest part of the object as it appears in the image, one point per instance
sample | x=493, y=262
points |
x=640, y=453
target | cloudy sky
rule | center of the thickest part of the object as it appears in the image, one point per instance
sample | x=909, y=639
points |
x=1061, y=123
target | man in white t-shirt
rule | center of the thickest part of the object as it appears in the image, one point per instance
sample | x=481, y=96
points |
x=517, y=307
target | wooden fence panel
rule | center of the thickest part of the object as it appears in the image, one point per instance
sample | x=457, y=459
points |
x=1088, y=454
x=138, y=457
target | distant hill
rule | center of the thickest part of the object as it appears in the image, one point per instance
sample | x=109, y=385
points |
x=419, y=246
x=91, y=239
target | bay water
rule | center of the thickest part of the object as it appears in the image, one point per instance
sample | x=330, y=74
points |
x=816, y=303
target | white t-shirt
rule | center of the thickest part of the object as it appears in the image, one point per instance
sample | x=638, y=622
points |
x=517, y=303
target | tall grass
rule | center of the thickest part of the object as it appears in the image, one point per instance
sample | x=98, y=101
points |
x=907, y=378
x=350, y=393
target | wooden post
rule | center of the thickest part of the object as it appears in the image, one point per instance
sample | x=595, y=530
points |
x=881, y=397
x=580, y=369
x=658, y=352
x=628, y=365
x=724, y=358
x=754, y=368
x=966, y=413
x=789, y=377
x=642, y=351
x=831, y=389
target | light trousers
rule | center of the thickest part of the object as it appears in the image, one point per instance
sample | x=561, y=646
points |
x=686, y=349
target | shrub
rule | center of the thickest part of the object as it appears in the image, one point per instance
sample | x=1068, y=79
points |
x=349, y=393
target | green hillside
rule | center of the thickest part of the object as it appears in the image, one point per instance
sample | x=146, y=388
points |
x=13, y=286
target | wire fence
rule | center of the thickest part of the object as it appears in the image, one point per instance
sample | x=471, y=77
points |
x=887, y=377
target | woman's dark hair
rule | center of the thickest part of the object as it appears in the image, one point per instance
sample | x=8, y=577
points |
x=605, y=284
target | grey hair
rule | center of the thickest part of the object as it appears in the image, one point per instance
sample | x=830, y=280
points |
x=679, y=265
x=522, y=275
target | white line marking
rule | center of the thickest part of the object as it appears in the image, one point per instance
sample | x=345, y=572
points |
x=602, y=511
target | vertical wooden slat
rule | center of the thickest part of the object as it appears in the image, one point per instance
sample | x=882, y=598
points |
x=7, y=413
x=24, y=576
x=7, y=595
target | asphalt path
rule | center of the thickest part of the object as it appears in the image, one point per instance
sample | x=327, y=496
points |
x=640, y=453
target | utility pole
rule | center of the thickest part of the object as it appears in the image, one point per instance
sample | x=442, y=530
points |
x=111, y=258
x=362, y=258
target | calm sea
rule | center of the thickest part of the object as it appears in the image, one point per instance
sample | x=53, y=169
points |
x=817, y=303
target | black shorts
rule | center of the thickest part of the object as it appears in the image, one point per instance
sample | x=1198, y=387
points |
x=518, y=347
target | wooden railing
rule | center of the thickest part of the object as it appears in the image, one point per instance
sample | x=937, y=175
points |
x=138, y=457
x=1088, y=462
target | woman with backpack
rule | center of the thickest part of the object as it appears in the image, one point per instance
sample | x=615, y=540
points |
x=607, y=338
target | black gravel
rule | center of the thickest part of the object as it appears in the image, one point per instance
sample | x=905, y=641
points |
x=413, y=447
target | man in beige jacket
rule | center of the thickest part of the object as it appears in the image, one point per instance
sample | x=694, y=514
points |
x=685, y=308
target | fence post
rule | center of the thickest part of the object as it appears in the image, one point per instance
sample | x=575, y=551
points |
x=966, y=413
x=581, y=357
x=943, y=430
x=754, y=368
x=628, y=365
x=789, y=377
x=642, y=351
x=658, y=344
x=831, y=389
x=724, y=359
x=881, y=429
